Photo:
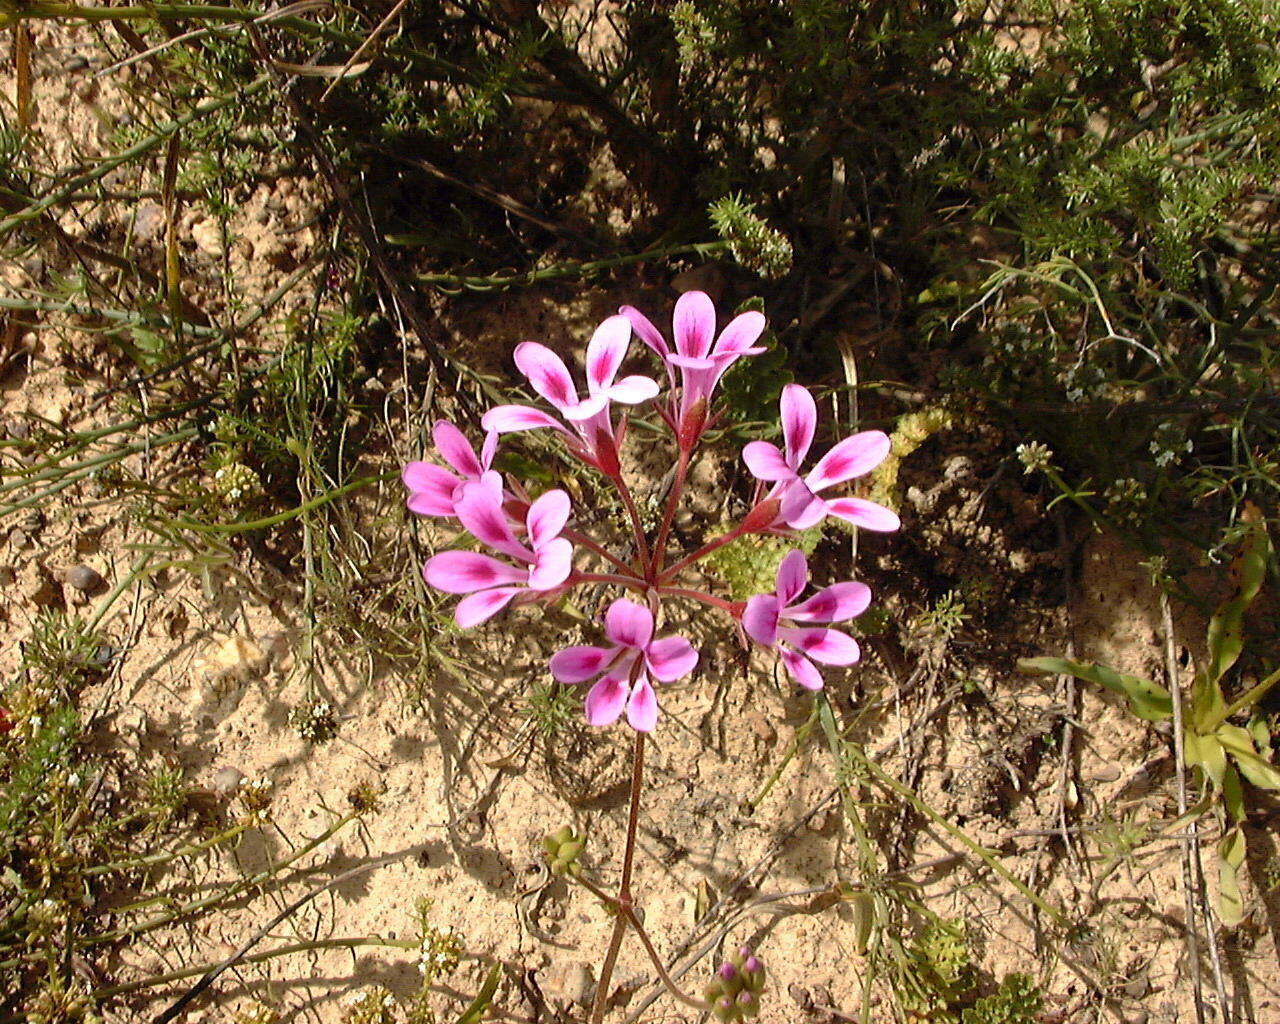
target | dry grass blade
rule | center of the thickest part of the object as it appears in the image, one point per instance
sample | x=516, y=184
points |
x=22, y=74
x=348, y=69
x=169, y=200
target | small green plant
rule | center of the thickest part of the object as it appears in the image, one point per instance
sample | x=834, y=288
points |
x=552, y=707
x=1017, y=1000
x=1223, y=752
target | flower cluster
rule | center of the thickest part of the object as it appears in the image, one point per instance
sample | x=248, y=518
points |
x=534, y=552
x=734, y=993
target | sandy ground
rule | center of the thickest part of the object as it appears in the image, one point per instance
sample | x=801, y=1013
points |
x=207, y=673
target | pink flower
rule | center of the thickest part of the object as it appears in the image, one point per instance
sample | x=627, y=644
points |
x=544, y=562
x=433, y=490
x=592, y=435
x=769, y=620
x=701, y=363
x=854, y=456
x=626, y=680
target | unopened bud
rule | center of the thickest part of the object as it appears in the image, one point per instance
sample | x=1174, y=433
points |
x=748, y=1006
x=692, y=424
x=724, y=1008
x=763, y=516
x=606, y=453
x=727, y=971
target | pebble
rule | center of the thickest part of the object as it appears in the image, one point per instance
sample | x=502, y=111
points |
x=762, y=727
x=571, y=983
x=226, y=781
x=207, y=234
x=83, y=578
x=8, y=576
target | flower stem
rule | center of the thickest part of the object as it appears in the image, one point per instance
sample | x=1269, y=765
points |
x=699, y=595
x=700, y=554
x=582, y=540
x=624, y=888
x=634, y=582
x=673, y=502
x=637, y=527
x=688, y=1000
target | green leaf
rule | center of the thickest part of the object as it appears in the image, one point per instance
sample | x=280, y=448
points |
x=1207, y=752
x=1233, y=794
x=1208, y=707
x=475, y=1009
x=1252, y=766
x=1147, y=700
x=1225, y=637
x=1231, y=852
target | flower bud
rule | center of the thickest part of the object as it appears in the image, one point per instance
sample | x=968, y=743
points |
x=692, y=424
x=748, y=1005
x=606, y=453
x=724, y=1008
x=727, y=971
x=763, y=516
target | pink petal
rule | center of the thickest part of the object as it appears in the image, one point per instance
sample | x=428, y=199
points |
x=546, y=517
x=461, y=572
x=866, y=514
x=629, y=624
x=578, y=664
x=431, y=488
x=642, y=708
x=836, y=603
x=701, y=363
x=547, y=373
x=829, y=646
x=799, y=421
x=489, y=449
x=588, y=407
x=670, y=658
x=552, y=564
x=456, y=450
x=801, y=508
x=765, y=461
x=476, y=608
x=694, y=324
x=504, y=419
x=852, y=457
x=606, y=700
x=605, y=352
x=793, y=576
x=645, y=330
x=741, y=334
x=633, y=390
x=760, y=619
x=481, y=512
x=802, y=670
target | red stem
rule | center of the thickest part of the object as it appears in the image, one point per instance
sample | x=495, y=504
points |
x=583, y=540
x=699, y=595
x=701, y=553
x=673, y=501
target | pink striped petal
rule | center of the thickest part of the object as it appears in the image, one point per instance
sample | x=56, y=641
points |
x=546, y=517
x=481, y=512
x=671, y=658
x=588, y=407
x=829, y=646
x=504, y=419
x=578, y=664
x=760, y=619
x=552, y=564
x=793, y=576
x=741, y=334
x=694, y=324
x=801, y=669
x=456, y=450
x=866, y=514
x=801, y=508
x=629, y=624
x=489, y=449
x=606, y=700
x=852, y=457
x=642, y=708
x=836, y=603
x=765, y=461
x=605, y=352
x=633, y=390
x=477, y=608
x=547, y=373
x=431, y=488
x=645, y=330
x=462, y=572
x=703, y=364
x=799, y=421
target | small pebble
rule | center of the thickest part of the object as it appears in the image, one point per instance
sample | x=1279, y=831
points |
x=226, y=781
x=83, y=578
